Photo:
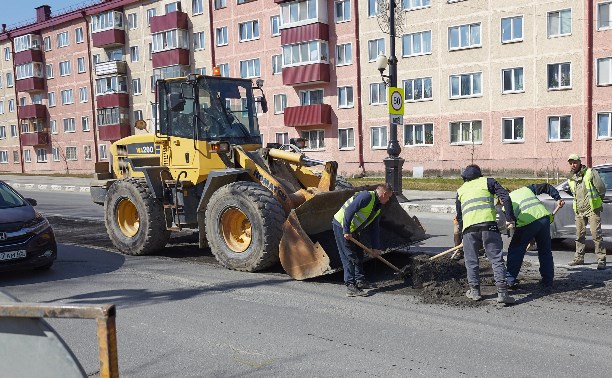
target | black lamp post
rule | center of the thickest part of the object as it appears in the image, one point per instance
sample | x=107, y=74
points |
x=393, y=162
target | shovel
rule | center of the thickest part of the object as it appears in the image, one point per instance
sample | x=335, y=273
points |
x=400, y=272
x=455, y=248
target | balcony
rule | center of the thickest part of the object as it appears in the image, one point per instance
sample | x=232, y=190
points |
x=113, y=100
x=113, y=132
x=30, y=84
x=304, y=33
x=108, y=38
x=169, y=21
x=112, y=67
x=38, y=138
x=32, y=111
x=308, y=115
x=306, y=74
x=173, y=57
x=27, y=56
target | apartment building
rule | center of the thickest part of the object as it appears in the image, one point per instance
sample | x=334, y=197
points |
x=10, y=154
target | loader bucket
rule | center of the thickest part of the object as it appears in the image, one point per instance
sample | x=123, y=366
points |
x=308, y=248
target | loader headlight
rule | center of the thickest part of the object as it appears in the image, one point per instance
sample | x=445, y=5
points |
x=220, y=147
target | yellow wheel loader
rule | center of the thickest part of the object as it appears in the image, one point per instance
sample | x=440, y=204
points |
x=202, y=167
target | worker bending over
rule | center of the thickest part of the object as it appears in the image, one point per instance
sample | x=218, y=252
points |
x=532, y=221
x=359, y=212
x=476, y=217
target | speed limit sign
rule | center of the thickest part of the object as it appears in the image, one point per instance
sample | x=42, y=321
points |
x=396, y=101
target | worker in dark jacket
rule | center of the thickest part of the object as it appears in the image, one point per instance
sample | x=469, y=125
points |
x=359, y=212
x=476, y=216
x=532, y=221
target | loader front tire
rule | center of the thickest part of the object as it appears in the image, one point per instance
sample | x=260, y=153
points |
x=244, y=226
x=134, y=218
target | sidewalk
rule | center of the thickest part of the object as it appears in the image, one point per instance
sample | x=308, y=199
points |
x=418, y=201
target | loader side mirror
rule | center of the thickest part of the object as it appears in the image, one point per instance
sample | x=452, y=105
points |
x=176, y=102
x=264, y=103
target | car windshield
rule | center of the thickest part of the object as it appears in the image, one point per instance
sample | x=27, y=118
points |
x=9, y=198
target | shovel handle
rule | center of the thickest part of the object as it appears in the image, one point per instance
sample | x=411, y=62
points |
x=369, y=251
x=555, y=210
x=446, y=252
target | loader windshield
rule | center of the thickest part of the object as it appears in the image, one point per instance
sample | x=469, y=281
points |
x=218, y=109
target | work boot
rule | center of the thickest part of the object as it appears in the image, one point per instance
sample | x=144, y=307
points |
x=502, y=295
x=474, y=293
x=576, y=262
x=354, y=291
x=514, y=285
x=601, y=265
x=365, y=285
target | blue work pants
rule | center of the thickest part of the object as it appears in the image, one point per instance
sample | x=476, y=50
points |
x=351, y=256
x=540, y=230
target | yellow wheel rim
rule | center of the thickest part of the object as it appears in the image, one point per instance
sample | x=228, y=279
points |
x=127, y=217
x=236, y=229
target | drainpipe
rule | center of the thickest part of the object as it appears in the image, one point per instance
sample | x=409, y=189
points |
x=358, y=99
x=21, y=163
x=212, y=35
x=91, y=90
x=589, y=80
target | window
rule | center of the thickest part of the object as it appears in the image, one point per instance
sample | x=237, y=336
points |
x=512, y=29
x=277, y=64
x=559, y=76
x=27, y=42
x=224, y=69
x=416, y=44
x=512, y=80
x=604, y=17
x=46, y=44
x=65, y=68
x=150, y=13
x=280, y=103
x=114, y=84
x=220, y=4
x=378, y=93
x=102, y=152
x=85, y=123
x=81, y=65
x=0, y=81
x=49, y=71
x=466, y=132
x=106, y=21
x=9, y=80
x=2, y=132
x=136, y=88
x=372, y=8
x=559, y=128
x=345, y=97
x=7, y=54
x=27, y=156
x=197, y=7
x=134, y=56
x=137, y=115
x=604, y=128
x=78, y=34
x=346, y=138
x=11, y=102
x=559, y=23
x=418, y=135
x=62, y=39
x=170, y=39
x=311, y=97
x=376, y=47
x=71, y=153
x=344, y=54
x=53, y=127
x=1, y=107
x=281, y=138
x=69, y=125
x=343, y=10
x=415, y=4
x=96, y=58
x=15, y=156
x=221, y=34
x=199, y=42
x=132, y=20
x=315, y=139
x=4, y=156
x=56, y=153
x=67, y=97
x=378, y=137
x=466, y=85
x=41, y=155
x=248, y=31
x=305, y=53
x=464, y=36
x=418, y=89
x=604, y=71
x=513, y=129
x=14, y=131
x=172, y=7
x=51, y=99
x=31, y=69
x=298, y=11
x=83, y=94
x=275, y=25
x=249, y=68
x=87, y=152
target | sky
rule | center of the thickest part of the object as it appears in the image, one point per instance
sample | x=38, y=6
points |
x=13, y=14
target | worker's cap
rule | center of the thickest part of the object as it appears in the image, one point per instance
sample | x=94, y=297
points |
x=573, y=157
x=471, y=172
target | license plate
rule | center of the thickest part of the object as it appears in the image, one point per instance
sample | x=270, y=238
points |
x=12, y=255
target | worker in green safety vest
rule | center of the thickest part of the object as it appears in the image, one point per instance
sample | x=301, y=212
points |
x=588, y=190
x=532, y=221
x=476, y=216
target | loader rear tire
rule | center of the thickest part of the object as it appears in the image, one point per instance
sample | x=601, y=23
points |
x=135, y=218
x=244, y=226
x=342, y=183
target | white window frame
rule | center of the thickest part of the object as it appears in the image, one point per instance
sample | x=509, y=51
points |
x=514, y=138
x=199, y=41
x=608, y=126
x=344, y=54
x=411, y=5
x=10, y=80
x=85, y=126
x=224, y=69
x=382, y=135
x=600, y=68
x=379, y=87
x=462, y=125
x=250, y=68
x=11, y=104
x=340, y=11
x=102, y=152
x=65, y=68
x=2, y=132
x=373, y=8
x=55, y=151
x=280, y=103
x=277, y=64
x=49, y=71
x=312, y=96
x=69, y=125
x=41, y=155
x=7, y=53
x=151, y=12
x=81, y=65
x=78, y=35
x=136, y=87
x=132, y=21
x=27, y=155
x=69, y=156
x=471, y=29
x=297, y=13
x=53, y=126
x=549, y=21
x=319, y=138
x=248, y=31
x=14, y=131
x=219, y=4
x=560, y=76
x=134, y=53
x=472, y=75
x=346, y=92
x=221, y=36
x=608, y=23
x=412, y=37
x=423, y=81
x=4, y=157
x=67, y=97
x=275, y=24
x=548, y=128
x=299, y=54
x=86, y=152
x=281, y=138
x=170, y=40
x=376, y=47
x=197, y=7
x=422, y=127
x=51, y=99
x=63, y=39
x=347, y=134
x=47, y=46
x=83, y=96
x=513, y=38
x=513, y=72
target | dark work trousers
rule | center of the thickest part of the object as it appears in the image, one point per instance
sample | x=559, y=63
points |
x=492, y=242
x=540, y=230
x=351, y=256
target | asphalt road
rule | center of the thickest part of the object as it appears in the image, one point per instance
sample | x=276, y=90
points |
x=178, y=317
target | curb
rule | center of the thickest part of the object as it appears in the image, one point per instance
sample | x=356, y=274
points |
x=53, y=188
x=422, y=208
